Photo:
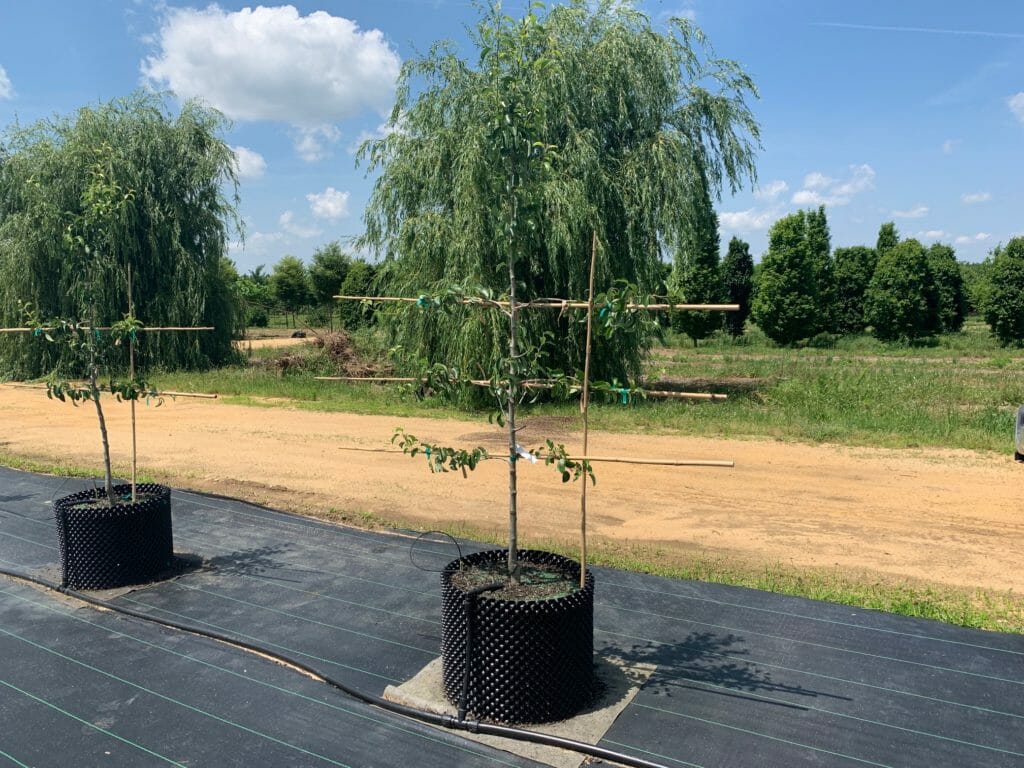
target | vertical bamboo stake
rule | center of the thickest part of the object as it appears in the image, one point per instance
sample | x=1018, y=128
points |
x=131, y=374
x=585, y=408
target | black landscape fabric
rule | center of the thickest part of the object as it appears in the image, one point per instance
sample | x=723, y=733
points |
x=742, y=677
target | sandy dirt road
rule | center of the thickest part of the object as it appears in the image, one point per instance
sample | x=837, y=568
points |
x=952, y=517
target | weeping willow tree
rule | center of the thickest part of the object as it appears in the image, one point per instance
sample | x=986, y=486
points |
x=172, y=234
x=635, y=125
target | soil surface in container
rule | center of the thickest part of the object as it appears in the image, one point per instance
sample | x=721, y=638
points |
x=536, y=582
x=102, y=502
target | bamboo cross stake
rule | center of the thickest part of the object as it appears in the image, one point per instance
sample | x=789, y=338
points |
x=726, y=463
x=107, y=328
x=167, y=393
x=552, y=304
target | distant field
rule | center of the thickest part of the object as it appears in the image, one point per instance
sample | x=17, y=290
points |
x=962, y=392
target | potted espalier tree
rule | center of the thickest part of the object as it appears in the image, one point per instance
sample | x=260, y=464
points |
x=118, y=534
x=577, y=134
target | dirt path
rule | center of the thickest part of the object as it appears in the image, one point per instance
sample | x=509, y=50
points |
x=953, y=517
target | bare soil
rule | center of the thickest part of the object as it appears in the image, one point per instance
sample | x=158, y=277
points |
x=949, y=517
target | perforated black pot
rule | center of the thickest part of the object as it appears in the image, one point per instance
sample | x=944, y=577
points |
x=532, y=660
x=107, y=547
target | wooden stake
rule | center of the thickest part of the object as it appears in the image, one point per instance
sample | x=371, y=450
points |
x=585, y=408
x=131, y=375
x=552, y=304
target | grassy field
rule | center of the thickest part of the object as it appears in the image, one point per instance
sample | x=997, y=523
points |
x=962, y=392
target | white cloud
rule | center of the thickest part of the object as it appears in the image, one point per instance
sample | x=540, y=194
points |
x=917, y=212
x=275, y=64
x=287, y=223
x=329, y=204
x=311, y=143
x=772, y=190
x=976, y=197
x=750, y=220
x=251, y=165
x=949, y=145
x=6, y=89
x=978, y=238
x=815, y=180
x=823, y=190
x=934, y=234
x=1016, y=104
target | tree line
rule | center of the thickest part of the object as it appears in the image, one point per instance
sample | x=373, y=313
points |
x=804, y=292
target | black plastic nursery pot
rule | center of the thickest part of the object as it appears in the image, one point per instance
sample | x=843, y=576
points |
x=532, y=661
x=103, y=547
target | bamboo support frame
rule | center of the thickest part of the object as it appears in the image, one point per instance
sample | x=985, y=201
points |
x=726, y=463
x=107, y=328
x=552, y=304
x=203, y=395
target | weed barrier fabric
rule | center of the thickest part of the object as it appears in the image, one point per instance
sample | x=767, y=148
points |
x=742, y=677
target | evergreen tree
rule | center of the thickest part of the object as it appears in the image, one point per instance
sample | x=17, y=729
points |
x=852, y=271
x=697, y=278
x=951, y=293
x=785, y=303
x=901, y=299
x=888, y=237
x=738, y=282
x=819, y=250
x=631, y=166
x=1004, y=294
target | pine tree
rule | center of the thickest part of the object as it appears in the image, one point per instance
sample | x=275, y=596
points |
x=785, y=303
x=738, y=283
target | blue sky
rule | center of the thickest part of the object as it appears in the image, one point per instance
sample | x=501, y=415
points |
x=911, y=111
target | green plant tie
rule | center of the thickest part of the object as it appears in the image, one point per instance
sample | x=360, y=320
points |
x=98, y=334
x=133, y=335
x=623, y=394
x=604, y=310
x=427, y=451
x=423, y=302
x=37, y=332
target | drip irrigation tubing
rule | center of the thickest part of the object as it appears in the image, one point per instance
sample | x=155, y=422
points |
x=450, y=722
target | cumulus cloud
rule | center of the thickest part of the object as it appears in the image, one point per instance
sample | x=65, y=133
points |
x=820, y=189
x=1016, y=104
x=277, y=65
x=6, y=89
x=750, y=220
x=980, y=237
x=934, y=234
x=251, y=165
x=288, y=224
x=917, y=212
x=976, y=197
x=329, y=204
x=312, y=144
x=771, y=190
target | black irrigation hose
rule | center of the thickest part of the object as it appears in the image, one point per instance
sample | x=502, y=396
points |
x=431, y=718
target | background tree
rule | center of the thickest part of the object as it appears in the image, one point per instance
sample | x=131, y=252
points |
x=696, y=277
x=819, y=250
x=1004, y=293
x=327, y=274
x=290, y=283
x=785, y=304
x=852, y=270
x=976, y=281
x=888, y=237
x=901, y=299
x=630, y=166
x=173, y=234
x=738, y=283
x=950, y=292
x=358, y=282
x=257, y=297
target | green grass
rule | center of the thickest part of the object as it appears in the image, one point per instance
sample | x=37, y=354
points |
x=961, y=392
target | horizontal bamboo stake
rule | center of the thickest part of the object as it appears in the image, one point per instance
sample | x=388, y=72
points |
x=17, y=385
x=554, y=304
x=527, y=384
x=608, y=459
x=108, y=328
